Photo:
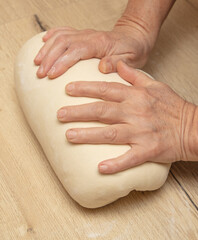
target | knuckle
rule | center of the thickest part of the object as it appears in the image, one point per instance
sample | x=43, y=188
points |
x=103, y=88
x=110, y=134
x=61, y=39
x=100, y=109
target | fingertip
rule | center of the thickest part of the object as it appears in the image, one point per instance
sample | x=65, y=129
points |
x=40, y=73
x=61, y=114
x=107, y=167
x=39, y=56
x=54, y=75
x=39, y=76
x=51, y=73
x=103, y=168
x=51, y=77
x=69, y=87
x=45, y=37
x=57, y=113
x=106, y=66
x=71, y=134
x=36, y=62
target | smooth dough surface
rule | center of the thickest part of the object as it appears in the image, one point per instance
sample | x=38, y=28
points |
x=76, y=165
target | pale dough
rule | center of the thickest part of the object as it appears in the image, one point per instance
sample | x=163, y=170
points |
x=76, y=165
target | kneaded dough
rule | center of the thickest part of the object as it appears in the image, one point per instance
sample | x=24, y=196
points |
x=76, y=165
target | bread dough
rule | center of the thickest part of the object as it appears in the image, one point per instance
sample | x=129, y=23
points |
x=76, y=165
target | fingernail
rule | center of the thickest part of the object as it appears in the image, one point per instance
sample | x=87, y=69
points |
x=71, y=134
x=107, y=67
x=103, y=168
x=41, y=69
x=61, y=113
x=70, y=87
x=51, y=71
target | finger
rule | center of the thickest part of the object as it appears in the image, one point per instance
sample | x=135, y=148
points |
x=108, y=64
x=55, y=51
x=76, y=52
x=53, y=30
x=44, y=50
x=128, y=160
x=110, y=91
x=59, y=36
x=134, y=76
x=107, y=112
x=116, y=134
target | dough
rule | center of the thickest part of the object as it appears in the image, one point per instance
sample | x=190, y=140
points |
x=76, y=165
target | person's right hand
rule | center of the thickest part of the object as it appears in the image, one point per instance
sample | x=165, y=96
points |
x=148, y=115
x=65, y=46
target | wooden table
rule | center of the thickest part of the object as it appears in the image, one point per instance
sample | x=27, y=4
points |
x=33, y=203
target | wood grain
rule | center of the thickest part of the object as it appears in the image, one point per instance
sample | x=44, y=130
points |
x=33, y=203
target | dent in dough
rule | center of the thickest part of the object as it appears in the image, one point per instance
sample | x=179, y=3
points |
x=76, y=165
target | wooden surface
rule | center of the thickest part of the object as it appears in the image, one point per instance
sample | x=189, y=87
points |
x=33, y=203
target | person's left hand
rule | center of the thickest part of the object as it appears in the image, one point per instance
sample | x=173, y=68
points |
x=146, y=115
x=129, y=41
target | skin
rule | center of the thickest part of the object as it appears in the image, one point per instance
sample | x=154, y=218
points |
x=148, y=115
x=159, y=125
x=131, y=40
x=66, y=46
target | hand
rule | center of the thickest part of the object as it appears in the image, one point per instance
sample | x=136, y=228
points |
x=148, y=115
x=66, y=46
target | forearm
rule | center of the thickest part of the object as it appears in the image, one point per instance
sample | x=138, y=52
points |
x=146, y=16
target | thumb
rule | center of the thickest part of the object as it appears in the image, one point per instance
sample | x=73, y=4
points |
x=108, y=64
x=131, y=158
x=134, y=76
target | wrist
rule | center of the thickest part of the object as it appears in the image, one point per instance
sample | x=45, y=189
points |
x=145, y=17
x=134, y=26
x=189, y=132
